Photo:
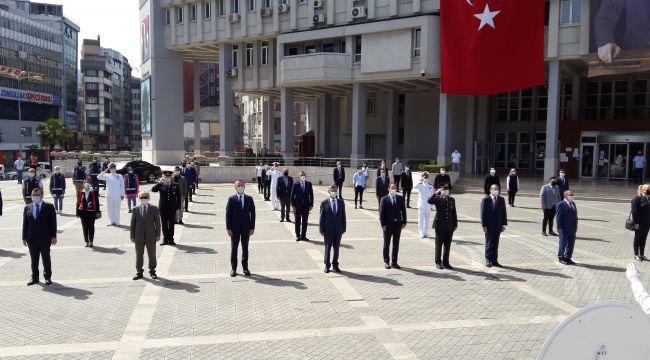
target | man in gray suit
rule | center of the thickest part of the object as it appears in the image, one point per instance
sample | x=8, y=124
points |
x=145, y=231
x=549, y=196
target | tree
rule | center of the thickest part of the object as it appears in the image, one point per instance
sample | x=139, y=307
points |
x=52, y=132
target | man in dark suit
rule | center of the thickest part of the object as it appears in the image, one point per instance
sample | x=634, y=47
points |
x=39, y=234
x=445, y=223
x=339, y=178
x=563, y=182
x=494, y=220
x=381, y=186
x=332, y=226
x=189, y=173
x=392, y=216
x=302, y=201
x=145, y=231
x=240, y=225
x=284, y=187
x=407, y=184
x=567, y=225
x=491, y=179
x=266, y=183
x=635, y=32
x=169, y=204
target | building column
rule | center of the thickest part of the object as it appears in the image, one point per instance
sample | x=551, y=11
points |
x=268, y=121
x=196, y=87
x=552, y=160
x=359, y=112
x=287, y=107
x=392, y=125
x=324, y=121
x=444, y=128
x=226, y=114
x=468, y=155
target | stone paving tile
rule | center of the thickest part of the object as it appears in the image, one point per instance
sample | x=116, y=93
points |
x=100, y=355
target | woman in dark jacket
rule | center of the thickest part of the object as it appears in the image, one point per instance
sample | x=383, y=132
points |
x=512, y=184
x=641, y=218
x=88, y=210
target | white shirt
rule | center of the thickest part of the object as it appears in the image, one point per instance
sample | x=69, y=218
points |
x=275, y=175
x=259, y=170
x=639, y=162
x=114, y=184
x=20, y=164
x=425, y=190
x=455, y=157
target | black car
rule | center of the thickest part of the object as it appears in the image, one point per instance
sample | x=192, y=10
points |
x=143, y=169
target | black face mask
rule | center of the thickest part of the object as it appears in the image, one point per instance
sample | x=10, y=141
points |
x=647, y=192
x=553, y=183
x=79, y=164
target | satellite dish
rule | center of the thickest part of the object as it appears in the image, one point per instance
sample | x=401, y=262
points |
x=610, y=330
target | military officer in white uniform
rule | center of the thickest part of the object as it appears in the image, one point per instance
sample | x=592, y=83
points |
x=274, y=173
x=115, y=192
x=425, y=190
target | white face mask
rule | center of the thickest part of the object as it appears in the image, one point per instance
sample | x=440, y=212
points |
x=113, y=171
x=562, y=174
x=177, y=173
x=445, y=192
x=31, y=175
x=303, y=178
x=571, y=198
x=144, y=201
x=57, y=171
x=393, y=191
x=492, y=172
x=407, y=169
x=425, y=180
x=334, y=195
x=87, y=186
x=442, y=172
x=240, y=190
x=130, y=171
x=494, y=192
x=36, y=199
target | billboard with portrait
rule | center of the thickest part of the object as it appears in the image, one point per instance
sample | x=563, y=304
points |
x=145, y=44
x=620, y=36
x=145, y=107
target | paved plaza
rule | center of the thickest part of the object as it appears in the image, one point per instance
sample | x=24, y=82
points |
x=289, y=308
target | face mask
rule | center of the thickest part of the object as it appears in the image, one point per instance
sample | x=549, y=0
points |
x=168, y=179
x=494, y=192
x=561, y=174
x=571, y=198
x=36, y=199
x=303, y=178
x=78, y=164
x=240, y=190
x=442, y=172
x=334, y=195
x=130, y=171
x=177, y=173
x=338, y=166
x=144, y=201
x=425, y=180
x=113, y=171
x=393, y=191
x=382, y=173
x=553, y=183
x=183, y=165
x=492, y=172
x=31, y=175
x=57, y=171
x=445, y=192
x=407, y=169
x=87, y=186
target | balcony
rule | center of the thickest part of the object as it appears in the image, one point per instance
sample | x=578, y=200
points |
x=315, y=69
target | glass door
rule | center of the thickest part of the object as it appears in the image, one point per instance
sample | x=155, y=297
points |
x=587, y=161
x=602, y=170
x=618, y=157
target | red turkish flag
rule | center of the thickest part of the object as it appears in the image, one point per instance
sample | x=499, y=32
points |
x=491, y=46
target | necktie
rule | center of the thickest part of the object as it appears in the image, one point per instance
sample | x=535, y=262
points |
x=392, y=198
x=241, y=200
x=303, y=185
x=494, y=202
x=144, y=210
x=37, y=212
x=334, y=206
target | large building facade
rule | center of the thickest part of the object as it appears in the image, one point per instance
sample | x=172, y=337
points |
x=106, y=86
x=134, y=127
x=38, y=72
x=370, y=74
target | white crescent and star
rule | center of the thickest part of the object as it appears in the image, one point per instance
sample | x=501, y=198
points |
x=469, y=2
x=486, y=17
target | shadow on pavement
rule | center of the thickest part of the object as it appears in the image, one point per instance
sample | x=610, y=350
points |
x=490, y=276
x=278, y=282
x=601, y=267
x=104, y=250
x=447, y=274
x=322, y=243
x=523, y=221
x=592, y=239
x=77, y=294
x=372, y=278
x=537, y=272
x=195, y=249
x=11, y=254
x=174, y=285
x=194, y=226
x=466, y=242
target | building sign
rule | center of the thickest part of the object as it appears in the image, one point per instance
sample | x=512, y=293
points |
x=145, y=45
x=620, y=40
x=29, y=96
x=145, y=108
x=7, y=71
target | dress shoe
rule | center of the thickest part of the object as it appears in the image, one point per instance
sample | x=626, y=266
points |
x=233, y=273
x=48, y=282
x=448, y=267
x=181, y=222
x=154, y=276
x=386, y=266
x=304, y=238
x=552, y=233
x=247, y=272
x=396, y=266
x=488, y=264
x=172, y=243
x=496, y=263
x=326, y=270
x=130, y=211
x=87, y=245
x=544, y=233
x=288, y=220
x=408, y=206
x=281, y=220
x=91, y=244
x=644, y=258
x=138, y=277
x=355, y=206
x=563, y=262
x=32, y=282
x=163, y=243
x=439, y=266
x=337, y=270
x=297, y=238
x=570, y=262
x=638, y=258
x=360, y=207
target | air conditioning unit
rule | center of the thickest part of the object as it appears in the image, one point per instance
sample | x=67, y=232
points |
x=283, y=8
x=318, y=4
x=358, y=12
x=319, y=19
x=232, y=72
x=267, y=11
x=235, y=17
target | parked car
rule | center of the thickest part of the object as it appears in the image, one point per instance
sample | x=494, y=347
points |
x=145, y=171
x=44, y=170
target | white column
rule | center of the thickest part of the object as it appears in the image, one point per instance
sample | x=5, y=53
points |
x=359, y=112
x=196, y=87
x=199, y=20
x=268, y=120
x=468, y=154
x=288, y=129
x=226, y=115
x=552, y=160
x=392, y=125
x=324, y=124
x=444, y=128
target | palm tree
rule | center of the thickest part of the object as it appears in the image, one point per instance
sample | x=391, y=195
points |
x=52, y=132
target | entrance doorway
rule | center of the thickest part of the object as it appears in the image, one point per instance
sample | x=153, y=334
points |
x=619, y=158
x=587, y=162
